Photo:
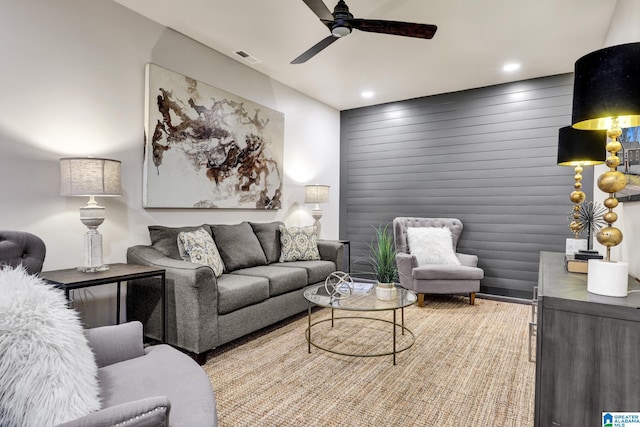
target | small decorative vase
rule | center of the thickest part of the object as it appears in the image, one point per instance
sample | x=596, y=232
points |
x=385, y=291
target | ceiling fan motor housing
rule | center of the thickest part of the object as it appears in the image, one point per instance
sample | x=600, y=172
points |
x=340, y=27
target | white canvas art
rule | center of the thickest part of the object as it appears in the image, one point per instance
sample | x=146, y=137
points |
x=207, y=148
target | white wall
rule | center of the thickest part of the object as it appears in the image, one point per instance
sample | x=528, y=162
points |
x=72, y=84
x=623, y=29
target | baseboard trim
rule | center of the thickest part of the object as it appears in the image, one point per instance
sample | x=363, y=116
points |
x=504, y=299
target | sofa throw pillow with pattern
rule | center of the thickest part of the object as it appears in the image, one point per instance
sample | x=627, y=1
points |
x=432, y=245
x=198, y=247
x=298, y=244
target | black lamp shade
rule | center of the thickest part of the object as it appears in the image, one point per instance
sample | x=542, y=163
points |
x=585, y=147
x=607, y=84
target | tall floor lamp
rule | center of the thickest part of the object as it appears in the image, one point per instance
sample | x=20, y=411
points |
x=579, y=148
x=606, y=95
x=316, y=194
x=89, y=176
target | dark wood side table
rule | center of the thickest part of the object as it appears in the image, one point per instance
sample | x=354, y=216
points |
x=71, y=278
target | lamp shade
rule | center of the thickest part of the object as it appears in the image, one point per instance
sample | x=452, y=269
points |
x=316, y=193
x=581, y=146
x=607, y=84
x=89, y=176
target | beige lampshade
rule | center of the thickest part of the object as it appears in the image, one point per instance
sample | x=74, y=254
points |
x=89, y=176
x=316, y=193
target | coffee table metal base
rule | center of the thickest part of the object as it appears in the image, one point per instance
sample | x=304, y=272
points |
x=394, y=323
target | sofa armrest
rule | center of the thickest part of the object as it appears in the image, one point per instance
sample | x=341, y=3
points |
x=148, y=412
x=192, y=300
x=330, y=250
x=468, y=260
x=116, y=343
x=406, y=263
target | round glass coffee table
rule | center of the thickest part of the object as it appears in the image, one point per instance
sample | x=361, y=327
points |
x=362, y=299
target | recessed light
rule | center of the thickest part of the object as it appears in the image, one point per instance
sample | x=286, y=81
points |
x=367, y=94
x=512, y=66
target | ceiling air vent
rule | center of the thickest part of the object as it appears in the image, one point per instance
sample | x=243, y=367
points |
x=247, y=56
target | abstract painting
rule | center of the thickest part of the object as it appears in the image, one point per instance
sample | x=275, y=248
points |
x=207, y=148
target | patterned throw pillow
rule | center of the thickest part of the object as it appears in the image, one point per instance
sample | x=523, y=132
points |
x=298, y=244
x=198, y=247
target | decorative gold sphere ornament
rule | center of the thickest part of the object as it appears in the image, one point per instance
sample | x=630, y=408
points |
x=587, y=216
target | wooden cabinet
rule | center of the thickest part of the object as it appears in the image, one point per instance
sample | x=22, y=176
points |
x=588, y=349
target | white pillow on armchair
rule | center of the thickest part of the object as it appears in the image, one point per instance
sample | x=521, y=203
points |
x=432, y=245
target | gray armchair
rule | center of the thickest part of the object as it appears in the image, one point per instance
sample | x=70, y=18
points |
x=435, y=278
x=19, y=247
x=153, y=386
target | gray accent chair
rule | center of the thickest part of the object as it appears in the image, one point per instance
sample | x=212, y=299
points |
x=153, y=386
x=20, y=247
x=435, y=278
x=143, y=387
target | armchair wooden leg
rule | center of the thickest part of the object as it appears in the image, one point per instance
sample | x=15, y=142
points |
x=472, y=298
x=420, y=300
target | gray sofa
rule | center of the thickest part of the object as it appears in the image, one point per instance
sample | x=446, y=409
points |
x=205, y=311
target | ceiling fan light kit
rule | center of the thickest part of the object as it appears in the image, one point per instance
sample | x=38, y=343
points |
x=341, y=22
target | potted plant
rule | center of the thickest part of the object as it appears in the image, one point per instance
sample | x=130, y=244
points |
x=383, y=262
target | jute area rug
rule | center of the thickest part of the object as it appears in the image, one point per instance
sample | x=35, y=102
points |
x=468, y=367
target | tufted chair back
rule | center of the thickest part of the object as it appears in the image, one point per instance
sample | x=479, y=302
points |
x=19, y=247
x=401, y=224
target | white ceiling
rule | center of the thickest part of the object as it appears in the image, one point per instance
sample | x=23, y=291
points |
x=474, y=39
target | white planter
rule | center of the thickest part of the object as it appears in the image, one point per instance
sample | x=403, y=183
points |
x=385, y=291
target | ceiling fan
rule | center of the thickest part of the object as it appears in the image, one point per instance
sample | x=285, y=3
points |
x=341, y=23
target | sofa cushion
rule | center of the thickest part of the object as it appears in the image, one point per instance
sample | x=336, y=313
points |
x=238, y=245
x=432, y=245
x=446, y=272
x=236, y=291
x=298, y=244
x=198, y=247
x=165, y=239
x=281, y=279
x=162, y=372
x=317, y=271
x=268, y=233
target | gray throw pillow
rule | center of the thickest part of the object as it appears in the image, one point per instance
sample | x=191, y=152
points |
x=165, y=239
x=238, y=246
x=268, y=234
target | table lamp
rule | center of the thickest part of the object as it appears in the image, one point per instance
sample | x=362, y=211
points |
x=316, y=194
x=606, y=95
x=89, y=176
x=579, y=148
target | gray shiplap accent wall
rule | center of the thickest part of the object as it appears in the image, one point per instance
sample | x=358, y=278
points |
x=486, y=156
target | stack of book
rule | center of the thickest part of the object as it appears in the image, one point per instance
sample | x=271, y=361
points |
x=579, y=262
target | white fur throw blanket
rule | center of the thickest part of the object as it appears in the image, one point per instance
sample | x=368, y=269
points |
x=47, y=370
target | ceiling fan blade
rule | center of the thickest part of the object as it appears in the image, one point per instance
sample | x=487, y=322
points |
x=315, y=50
x=319, y=8
x=407, y=29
